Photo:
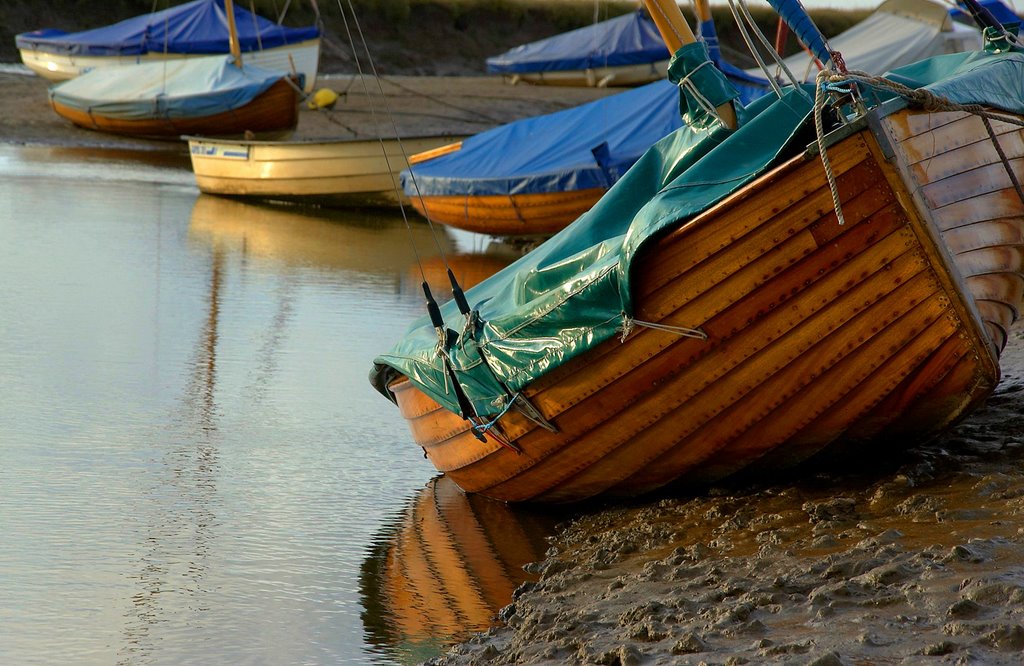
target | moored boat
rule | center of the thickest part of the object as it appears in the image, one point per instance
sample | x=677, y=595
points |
x=194, y=29
x=745, y=311
x=321, y=172
x=211, y=96
x=623, y=51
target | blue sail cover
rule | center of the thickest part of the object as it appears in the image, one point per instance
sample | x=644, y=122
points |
x=631, y=39
x=182, y=88
x=576, y=149
x=997, y=8
x=196, y=27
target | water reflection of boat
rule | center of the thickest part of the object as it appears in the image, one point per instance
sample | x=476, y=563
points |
x=361, y=241
x=446, y=568
x=468, y=268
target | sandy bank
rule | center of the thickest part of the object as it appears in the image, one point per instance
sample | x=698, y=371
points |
x=419, y=105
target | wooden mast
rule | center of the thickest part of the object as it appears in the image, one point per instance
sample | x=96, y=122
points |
x=236, y=49
x=676, y=32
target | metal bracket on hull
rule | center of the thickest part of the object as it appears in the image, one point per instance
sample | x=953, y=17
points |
x=523, y=405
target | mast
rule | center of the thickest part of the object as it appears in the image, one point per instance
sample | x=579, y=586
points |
x=676, y=32
x=236, y=50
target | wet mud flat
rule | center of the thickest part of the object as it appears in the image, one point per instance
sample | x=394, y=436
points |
x=884, y=556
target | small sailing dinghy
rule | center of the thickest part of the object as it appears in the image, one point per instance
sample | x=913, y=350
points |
x=323, y=172
x=212, y=96
x=623, y=51
x=838, y=264
x=192, y=30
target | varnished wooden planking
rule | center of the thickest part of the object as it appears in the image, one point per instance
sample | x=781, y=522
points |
x=988, y=233
x=844, y=391
x=977, y=209
x=992, y=259
x=722, y=411
x=701, y=374
x=970, y=184
x=774, y=251
x=965, y=158
x=960, y=129
x=913, y=405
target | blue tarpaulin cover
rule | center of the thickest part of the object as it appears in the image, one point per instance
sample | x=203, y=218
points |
x=997, y=8
x=584, y=147
x=631, y=39
x=588, y=146
x=182, y=88
x=197, y=27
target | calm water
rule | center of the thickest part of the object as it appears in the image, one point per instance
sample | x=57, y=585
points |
x=194, y=466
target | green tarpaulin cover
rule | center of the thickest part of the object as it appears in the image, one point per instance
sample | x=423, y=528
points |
x=573, y=292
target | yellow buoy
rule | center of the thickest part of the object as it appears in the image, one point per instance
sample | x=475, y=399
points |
x=324, y=98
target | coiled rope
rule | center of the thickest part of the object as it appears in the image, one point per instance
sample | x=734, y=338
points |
x=828, y=81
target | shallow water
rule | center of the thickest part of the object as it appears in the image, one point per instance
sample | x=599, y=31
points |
x=194, y=466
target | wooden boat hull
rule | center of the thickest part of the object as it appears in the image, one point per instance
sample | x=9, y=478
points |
x=349, y=172
x=537, y=214
x=275, y=112
x=302, y=58
x=597, y=77
x=887, y=326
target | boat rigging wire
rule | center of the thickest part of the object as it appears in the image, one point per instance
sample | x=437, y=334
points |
x=366, y=91
x=738, y=8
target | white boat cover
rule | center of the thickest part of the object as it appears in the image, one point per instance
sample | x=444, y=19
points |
x=184, y=88
x=898, y=33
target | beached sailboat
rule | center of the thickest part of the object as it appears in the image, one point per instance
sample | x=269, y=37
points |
x=623, y=51
x=747, y=310
x=211, y=96
x=534, y=176
x=345, y=172
x=192, y=30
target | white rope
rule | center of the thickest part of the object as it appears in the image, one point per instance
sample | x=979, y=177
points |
x=780, y=63
x=689, y=86
x=819, y=131
x=929, y=101
x=629, y=324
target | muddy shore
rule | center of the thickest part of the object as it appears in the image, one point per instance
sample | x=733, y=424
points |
x=885, y=556
x=878, y=557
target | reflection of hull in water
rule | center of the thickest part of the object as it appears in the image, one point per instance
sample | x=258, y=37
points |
x=341, y=240
x=450, y=566
x=469, y=269
x=886, y=326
